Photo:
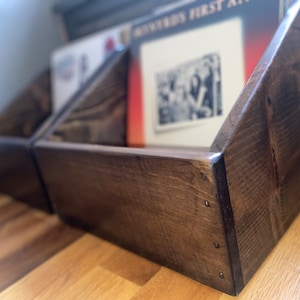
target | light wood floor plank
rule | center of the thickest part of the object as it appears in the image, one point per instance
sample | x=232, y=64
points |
x=10, y=210
x=71, y=264
x=128, y=265
x=53, y=261
x=167, y=285
x=5, y=199
x=27, y=239
x=61, y=271
x=30, y=231
x=100, y=283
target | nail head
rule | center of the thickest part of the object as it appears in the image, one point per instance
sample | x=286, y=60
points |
x=217, y=245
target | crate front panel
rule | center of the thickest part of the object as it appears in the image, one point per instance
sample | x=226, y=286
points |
x=155, y=206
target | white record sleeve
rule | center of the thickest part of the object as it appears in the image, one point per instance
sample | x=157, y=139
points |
x=190, y=82
x=74, y=64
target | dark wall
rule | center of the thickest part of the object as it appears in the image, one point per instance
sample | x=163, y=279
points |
x=82, y=17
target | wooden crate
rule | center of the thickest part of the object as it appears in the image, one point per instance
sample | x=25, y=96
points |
x=19, y=124
x=212, y=214
x=22, y=123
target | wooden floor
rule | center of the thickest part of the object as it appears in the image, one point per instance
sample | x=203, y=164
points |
x=41, y=258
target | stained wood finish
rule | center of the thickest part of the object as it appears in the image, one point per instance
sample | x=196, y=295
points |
x=154, y=205
x=99, y=116
x=261, y=142
x=154, y=201
x=90, y=268
x=19, y=176
x=168, y=205
x=19, y=122
x=28, y=111
x=28, y=118
x=20, y=127
x=28, y=238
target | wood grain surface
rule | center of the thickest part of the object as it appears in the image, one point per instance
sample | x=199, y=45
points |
x=261, y=140
x=152, y=204
x=176, y=210
x=26, y=113
x=19, y=122
x=41, y=258
x=98, y=115
x=28, y=238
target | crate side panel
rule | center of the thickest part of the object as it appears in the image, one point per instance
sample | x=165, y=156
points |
x=262, y=156
x=284, y=123
x=18, y=174
x=100, y=115
x=241, y=107
x=29, y=110
x=155, y=206
x=251, y=183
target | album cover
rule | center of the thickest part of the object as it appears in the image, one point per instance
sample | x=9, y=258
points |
x=188, y=67
x=186, y=93
x=74, y=64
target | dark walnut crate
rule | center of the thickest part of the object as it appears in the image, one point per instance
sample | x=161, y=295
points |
x=211, y=214
x=20, y=122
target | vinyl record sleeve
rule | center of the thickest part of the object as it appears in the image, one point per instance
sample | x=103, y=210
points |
x=177, y=118
x=232, y=33
x=73, y=64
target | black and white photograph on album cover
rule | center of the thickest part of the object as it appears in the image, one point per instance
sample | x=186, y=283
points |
x=189, y=92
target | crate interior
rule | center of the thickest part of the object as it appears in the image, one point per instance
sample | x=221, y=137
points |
x=98, y=115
